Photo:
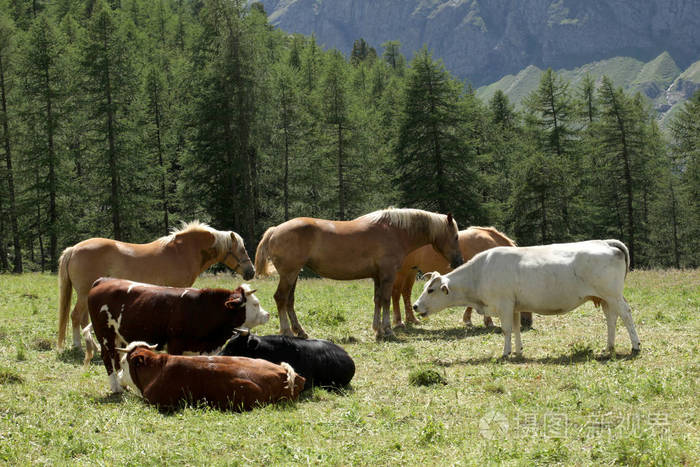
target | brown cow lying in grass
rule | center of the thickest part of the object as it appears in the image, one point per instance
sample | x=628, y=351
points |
x=236, y=383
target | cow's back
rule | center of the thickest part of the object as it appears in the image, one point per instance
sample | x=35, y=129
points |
x=139, y=311
x=553, y=271
x=227, y=382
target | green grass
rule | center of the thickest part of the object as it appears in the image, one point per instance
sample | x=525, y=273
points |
x=566, y=402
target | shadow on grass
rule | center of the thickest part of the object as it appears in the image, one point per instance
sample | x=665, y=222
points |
x=566, y=359
x=76, y=357
x=458, y=332
x=107, y=399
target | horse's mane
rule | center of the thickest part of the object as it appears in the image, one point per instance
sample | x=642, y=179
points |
x=222, y=239
x=496, y=232
x=412, y=220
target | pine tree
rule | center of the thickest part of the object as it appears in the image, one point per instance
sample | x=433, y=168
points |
x=435, y=165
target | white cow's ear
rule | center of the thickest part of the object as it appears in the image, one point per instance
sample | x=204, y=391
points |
x=445, y=289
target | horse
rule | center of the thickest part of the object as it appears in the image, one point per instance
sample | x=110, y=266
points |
x=471, y=241
x=173, y=260
x=371, y=246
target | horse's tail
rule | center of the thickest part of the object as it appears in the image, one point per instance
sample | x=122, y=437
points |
x=90, y=345
x=263, y=266
x=65, y=292
x=623, y=248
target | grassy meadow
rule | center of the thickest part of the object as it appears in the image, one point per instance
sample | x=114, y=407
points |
x=565, y=402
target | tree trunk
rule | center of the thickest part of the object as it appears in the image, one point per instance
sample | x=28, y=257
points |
x=341, y=173
x=53, y=215
x=163, y=192
x=17, y=267
x=113, y=169
x=674, y=226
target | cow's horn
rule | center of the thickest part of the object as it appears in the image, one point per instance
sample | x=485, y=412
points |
x=242, y=332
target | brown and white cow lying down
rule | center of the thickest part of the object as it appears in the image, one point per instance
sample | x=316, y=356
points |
x=546, y=279
x=236, y=383
x=184, y=320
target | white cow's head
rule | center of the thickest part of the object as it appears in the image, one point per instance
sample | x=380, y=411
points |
x=254, y=313
x=435, y=296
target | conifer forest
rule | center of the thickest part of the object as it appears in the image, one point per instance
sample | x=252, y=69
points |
x=122, y=118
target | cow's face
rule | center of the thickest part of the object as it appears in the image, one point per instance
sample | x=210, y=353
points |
x=254, y=313
x=133, y=357
x=435, y=296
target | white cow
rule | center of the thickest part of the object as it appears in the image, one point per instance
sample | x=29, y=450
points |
x=547, y=279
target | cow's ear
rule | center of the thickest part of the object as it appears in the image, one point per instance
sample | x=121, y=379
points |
x=449, y=218
x=445, y=289
x=233, y=301
x=253, y=342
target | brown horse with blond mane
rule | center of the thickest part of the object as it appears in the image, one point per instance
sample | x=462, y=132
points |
x=471, y=241
x=174, y=260
x=371, y=246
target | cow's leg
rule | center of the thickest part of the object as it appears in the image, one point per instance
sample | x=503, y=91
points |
x=516, y=331
x=111, y=360
x=79, y=319
x=488, y=322
x=296, y=327
x=611, y=319
x=406, y=292
x=506, y=315
x=396, y=292
x=623, y=309
x=526, y=319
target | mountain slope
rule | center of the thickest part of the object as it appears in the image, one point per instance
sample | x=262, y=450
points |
x=660, y=80
x=483, y=40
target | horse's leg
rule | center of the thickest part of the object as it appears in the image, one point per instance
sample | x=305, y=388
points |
x=281, y=299
x=385, y=287
x=396, y=291
x=407, y=289
x=376, y=325
x=79, y=319
x=467, y=317
x=296, y=327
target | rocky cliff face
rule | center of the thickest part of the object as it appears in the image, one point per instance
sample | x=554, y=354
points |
x=483, y=40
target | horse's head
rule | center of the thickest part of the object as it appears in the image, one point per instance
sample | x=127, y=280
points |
x=237, y=258
x=447, y=242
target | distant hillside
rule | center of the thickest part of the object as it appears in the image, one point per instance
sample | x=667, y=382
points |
x=481, y=41
x=660, y=80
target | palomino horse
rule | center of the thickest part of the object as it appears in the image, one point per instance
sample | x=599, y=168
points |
x=373, y=245
x=174, y=260
x=471, y=241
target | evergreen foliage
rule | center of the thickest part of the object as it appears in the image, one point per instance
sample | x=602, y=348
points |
x=120, y=119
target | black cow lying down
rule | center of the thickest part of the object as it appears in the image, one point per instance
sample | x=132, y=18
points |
x=321, y=362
